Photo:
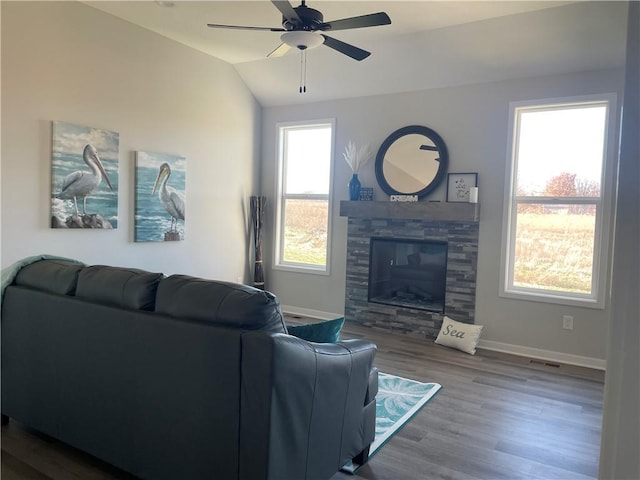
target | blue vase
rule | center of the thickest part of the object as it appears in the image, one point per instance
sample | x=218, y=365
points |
x=354, y=188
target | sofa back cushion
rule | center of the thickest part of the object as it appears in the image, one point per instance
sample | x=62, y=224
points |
x=120, y=287
x=53, y=276
x=139, y=390
x=222, y=303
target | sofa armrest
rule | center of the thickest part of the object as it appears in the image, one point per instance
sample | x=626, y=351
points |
x=303, y=405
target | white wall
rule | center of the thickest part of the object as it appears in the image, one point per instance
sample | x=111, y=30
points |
x=67, y=61
x=473, y=123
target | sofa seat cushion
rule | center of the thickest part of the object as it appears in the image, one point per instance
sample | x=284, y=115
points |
x=221, y=303
x=119, y=287
x=53, y=276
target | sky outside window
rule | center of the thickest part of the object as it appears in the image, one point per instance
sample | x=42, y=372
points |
x=308, y=160
x=561, y=140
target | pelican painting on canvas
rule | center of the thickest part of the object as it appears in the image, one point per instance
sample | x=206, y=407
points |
x=80, y=184
x=84, y=177
x=160, y=197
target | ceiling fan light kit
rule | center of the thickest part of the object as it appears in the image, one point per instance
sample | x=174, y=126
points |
x=302, y=39
x=302, y=26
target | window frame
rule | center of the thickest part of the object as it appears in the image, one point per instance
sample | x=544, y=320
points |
x=279, y=263
x=603, y=205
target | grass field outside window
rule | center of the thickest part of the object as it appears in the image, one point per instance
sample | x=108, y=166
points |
x=554, y=251
x=305, y=238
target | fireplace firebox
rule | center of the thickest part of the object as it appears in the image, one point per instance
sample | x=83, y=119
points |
x=408, y=273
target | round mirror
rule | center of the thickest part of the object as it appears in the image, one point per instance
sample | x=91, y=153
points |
x=411, y=161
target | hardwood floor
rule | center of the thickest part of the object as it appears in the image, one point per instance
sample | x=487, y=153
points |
x=498, y=416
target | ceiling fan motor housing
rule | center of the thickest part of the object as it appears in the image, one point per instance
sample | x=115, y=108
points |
x=311, y=19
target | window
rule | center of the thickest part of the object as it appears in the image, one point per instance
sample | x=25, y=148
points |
x=304, y=191
x=556, y=234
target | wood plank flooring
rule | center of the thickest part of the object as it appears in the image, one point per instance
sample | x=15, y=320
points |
x=498, y=416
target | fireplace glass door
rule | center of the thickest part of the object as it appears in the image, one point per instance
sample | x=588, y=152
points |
x=408, y=273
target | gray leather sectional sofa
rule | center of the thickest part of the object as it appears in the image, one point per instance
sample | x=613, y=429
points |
x=179, y=377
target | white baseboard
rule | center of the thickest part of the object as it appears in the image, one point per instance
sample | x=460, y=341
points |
x=548, y=355
x=306, y=312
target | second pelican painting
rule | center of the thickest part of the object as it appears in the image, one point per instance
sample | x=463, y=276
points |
x=160, y=197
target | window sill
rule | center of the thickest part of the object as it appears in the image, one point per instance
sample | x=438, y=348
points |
x=557, y=299
x=302, y=269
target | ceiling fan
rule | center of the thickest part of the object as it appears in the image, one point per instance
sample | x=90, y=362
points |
x=302, y=27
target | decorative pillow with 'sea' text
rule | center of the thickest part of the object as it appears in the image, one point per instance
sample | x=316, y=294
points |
x=462, y=336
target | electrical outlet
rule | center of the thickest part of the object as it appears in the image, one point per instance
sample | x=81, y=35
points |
x=238, y=279
x=567, y=322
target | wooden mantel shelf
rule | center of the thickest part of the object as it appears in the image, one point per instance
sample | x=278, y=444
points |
x=433, y=211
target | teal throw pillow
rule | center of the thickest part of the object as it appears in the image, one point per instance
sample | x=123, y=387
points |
x=322, y=332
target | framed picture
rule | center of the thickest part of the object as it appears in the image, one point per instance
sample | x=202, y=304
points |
x=458, y=185
x=84, y=177
x=160, y=197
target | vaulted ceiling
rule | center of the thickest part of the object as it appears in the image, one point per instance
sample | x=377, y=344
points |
x=429, y=44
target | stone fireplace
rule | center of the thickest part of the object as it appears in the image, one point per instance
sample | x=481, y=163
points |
x=422, y=229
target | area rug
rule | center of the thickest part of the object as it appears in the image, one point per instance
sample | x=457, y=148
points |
x=398, y=401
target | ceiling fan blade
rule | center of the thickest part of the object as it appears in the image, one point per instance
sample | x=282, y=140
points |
x=287, y=11
x=370, y=20
x=243, y=27
x=342, y=47
x=281, y=50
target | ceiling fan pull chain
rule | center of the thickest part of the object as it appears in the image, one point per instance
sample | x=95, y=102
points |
x=304, y=84
x=303, y=71
x=301, y=56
